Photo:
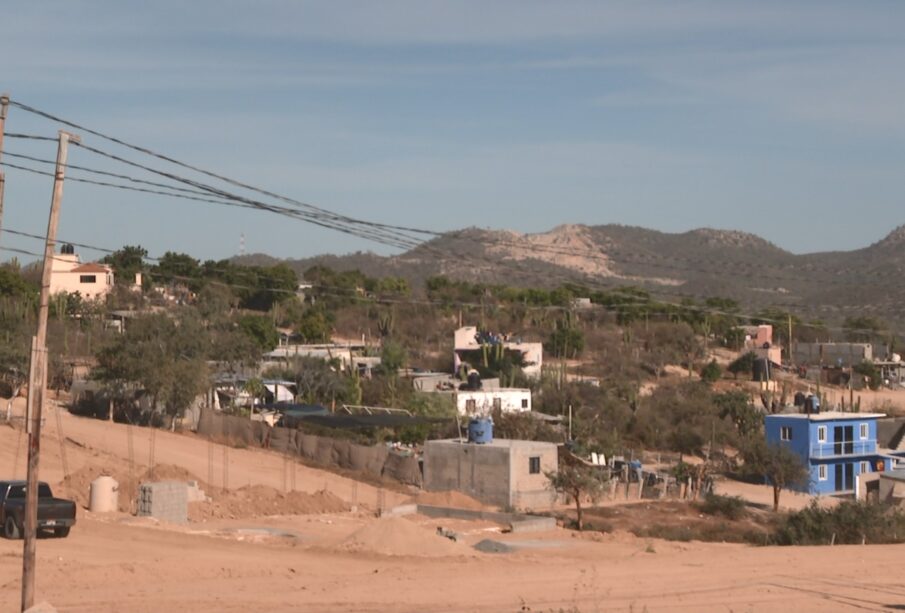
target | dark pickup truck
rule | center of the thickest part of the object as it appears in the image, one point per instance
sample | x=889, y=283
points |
x=55, y=514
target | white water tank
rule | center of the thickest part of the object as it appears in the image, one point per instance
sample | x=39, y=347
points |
x=104, y=497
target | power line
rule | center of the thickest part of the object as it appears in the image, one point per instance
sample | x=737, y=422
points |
x=330, y=219
x=208, y=173
x=677, y=308
x=584, y=282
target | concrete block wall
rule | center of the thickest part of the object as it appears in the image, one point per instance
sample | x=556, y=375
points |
x=531, y=491
x=481, y=471
x=164, y=500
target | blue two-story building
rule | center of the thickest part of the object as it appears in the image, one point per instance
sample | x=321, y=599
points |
x=836, y=447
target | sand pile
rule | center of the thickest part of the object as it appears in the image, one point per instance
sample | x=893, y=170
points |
x=456, y=500
x=397, y=536
x=259, y=500
x=78, y=485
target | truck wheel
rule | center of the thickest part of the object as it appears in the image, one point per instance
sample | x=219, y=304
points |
x=10, y=529
x=61, y=532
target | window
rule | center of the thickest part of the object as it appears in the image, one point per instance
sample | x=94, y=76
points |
x=524, y=403
x=497, y=404
x=785, y=433
x=534, y=465
x=821, y=472
x=470, y=405
x=862, y=431
x=865, y=467
x=87, y=278
x=821, y=434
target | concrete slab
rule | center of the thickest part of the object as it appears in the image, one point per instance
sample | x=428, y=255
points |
x=535, y=524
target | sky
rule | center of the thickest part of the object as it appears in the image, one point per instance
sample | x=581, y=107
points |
x=783, y=119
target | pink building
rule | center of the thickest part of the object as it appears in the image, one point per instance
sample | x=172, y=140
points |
x=68, y=274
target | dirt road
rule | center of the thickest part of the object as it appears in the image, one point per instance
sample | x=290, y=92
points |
x=343, y=561
x=107, y=566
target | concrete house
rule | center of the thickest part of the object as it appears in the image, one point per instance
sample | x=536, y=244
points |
x=70, y=275
x=759, y=340
x=502, y=472
x=833, y=354
x=468, y=338
x=836, y=447
x=485, y=402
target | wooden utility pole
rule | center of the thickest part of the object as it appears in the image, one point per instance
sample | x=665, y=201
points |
x=38, y=381
x=4, y=107
x=791, y=360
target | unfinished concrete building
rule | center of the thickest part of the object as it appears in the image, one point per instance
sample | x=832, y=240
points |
x=502, y=472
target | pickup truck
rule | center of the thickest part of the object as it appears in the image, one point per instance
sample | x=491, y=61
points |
x=54, y=514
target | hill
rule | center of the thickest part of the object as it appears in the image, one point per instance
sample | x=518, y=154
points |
x=695, y=264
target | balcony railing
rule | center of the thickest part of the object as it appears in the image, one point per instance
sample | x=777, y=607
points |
x=828, y=450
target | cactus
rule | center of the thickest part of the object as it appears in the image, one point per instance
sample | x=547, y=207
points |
x=386, y=323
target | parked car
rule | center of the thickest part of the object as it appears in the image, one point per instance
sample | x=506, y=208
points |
x=54, y=514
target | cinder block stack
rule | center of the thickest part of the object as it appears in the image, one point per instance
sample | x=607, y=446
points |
x=164, y=500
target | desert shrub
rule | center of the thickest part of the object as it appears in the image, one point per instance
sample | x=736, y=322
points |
x=730, y=507
x=711, y=372
x=742, y=365
x=848, y=523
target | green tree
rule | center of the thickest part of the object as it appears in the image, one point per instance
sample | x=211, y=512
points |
x=261, y=330
x=711, y=372
x=577, y=481
x=870, y=372
x=781, y=466
x=12, y=284
x=862, y=329
x=735, y=406
x=178, y=267
x=15, y=346
x=162, y=355
x=254, y=387
x=742, y=364
x=392, y=357
x=565, y=341
x=126, y=263
x=314, y=326
x=317, y=380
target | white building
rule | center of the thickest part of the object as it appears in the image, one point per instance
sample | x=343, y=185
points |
x=484, y=402
x=68, y=274
x=347, y=355
x=466, y=339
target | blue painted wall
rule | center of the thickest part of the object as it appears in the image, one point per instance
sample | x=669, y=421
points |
x=805, y=442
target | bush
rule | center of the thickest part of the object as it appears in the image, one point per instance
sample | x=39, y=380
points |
x=712, y=372
x=742, y=365
x=730, y=507
x=848, y=523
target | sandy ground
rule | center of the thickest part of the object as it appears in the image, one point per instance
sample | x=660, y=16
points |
x=351, y=561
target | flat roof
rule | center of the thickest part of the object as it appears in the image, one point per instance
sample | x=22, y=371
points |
x=898, y=475
x=506, y=443
x=829, y=415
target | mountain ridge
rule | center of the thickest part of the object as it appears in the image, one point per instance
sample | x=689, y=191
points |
x=697, y=263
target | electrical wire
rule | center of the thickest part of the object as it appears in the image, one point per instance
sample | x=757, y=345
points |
x=332, y=217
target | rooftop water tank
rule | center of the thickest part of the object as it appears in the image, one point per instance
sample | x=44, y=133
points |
x=104, y=497
x=480, y=431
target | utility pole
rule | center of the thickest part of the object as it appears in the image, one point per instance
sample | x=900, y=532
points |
x=791, y=361
x=4, y=107
x=38, y=380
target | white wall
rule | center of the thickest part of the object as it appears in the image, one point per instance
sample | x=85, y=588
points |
x=511, y=401
x=65, y=277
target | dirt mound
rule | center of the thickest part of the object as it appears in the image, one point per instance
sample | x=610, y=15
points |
x=456, y=500
x=397, y=536
x=78, y=485
x=258, y=500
